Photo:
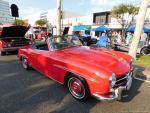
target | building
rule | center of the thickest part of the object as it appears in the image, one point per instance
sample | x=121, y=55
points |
x=74, y=19
x=5, y=17
x=102, y=18
x=106, y=18
x=44, y=15
x=69, y=18
x=80, y=20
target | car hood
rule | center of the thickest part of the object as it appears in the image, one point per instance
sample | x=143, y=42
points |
x=102, y=58
x=14, y=31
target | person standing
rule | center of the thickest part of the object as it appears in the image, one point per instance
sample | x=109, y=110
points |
x=110, y=37
x=119, y=39
x=143, y=39
x=103, y=40
x=129, y=38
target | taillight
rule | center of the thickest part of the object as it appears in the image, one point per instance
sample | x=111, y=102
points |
x=1, y=43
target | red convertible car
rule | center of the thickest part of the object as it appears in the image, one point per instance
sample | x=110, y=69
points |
x=86, y=71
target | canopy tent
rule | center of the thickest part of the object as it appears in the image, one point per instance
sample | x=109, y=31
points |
x=79, y=28
x=101, y=29
x=132, y=29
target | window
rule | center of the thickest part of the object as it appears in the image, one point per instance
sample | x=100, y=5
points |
x=100, y=19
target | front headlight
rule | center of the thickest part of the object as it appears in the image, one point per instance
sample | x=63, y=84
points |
x=132, y=62
x=112, y=80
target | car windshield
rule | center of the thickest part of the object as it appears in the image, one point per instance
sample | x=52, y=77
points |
x=64, y=42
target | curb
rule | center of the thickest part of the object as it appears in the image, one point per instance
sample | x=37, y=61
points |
x=139, y=74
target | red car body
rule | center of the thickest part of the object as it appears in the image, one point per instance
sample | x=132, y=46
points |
x=94, y=65
x=12, y=38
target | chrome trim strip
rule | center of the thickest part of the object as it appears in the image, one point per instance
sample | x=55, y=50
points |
x=122, y=79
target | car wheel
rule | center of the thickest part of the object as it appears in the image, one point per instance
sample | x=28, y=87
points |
x=25, y=63
x=144, y=51
x=78, y=88
x=2, y=53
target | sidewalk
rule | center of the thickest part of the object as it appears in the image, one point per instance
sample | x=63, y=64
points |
x=142, y=73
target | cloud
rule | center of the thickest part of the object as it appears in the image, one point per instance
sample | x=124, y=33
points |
x=29, y=11
x=104, y=5
x=82, y=2
x=112, y=2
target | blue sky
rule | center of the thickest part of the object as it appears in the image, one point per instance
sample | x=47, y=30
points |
x=83, y=7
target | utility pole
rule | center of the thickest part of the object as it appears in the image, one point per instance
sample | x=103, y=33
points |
x=139, y=27
x=59, y=19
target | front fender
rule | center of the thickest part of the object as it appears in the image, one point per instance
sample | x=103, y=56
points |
x=97, y=78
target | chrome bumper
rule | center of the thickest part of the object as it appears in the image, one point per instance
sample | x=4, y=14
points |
x=117, y=93
x=10, y=49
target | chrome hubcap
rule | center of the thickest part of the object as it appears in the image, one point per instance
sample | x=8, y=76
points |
x=76, y=88
x=24, y=63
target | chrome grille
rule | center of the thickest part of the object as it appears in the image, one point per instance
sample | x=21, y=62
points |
x=121, y=81
x=17, y=43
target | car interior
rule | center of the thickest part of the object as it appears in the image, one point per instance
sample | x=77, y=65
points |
x=41, y=46
x=44, y=46
x=65, y=43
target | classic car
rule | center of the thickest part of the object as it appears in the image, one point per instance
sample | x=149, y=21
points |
x=12, y=38
x=85, y=71
x=145, y=50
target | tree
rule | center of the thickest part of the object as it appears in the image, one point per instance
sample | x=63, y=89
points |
x=41, y=22
x=19, y=22
x=139, y=26
x=124, y=14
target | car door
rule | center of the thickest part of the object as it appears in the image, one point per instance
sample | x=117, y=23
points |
x=56, y=67
x=40, y=60
x=47, y=62
x=33, y=52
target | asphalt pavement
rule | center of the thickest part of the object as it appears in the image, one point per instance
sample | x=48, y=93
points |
x=24, y=91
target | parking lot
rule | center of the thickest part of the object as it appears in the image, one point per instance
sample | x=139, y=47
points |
x=24, y=91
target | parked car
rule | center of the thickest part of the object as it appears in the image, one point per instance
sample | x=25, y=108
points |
x=12, y=38
x=145, y=50
x=87, y=40
x=86, y=71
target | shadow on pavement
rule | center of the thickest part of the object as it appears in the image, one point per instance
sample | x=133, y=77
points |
x=28, y=91
x=133, y=92
x=143, y=73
